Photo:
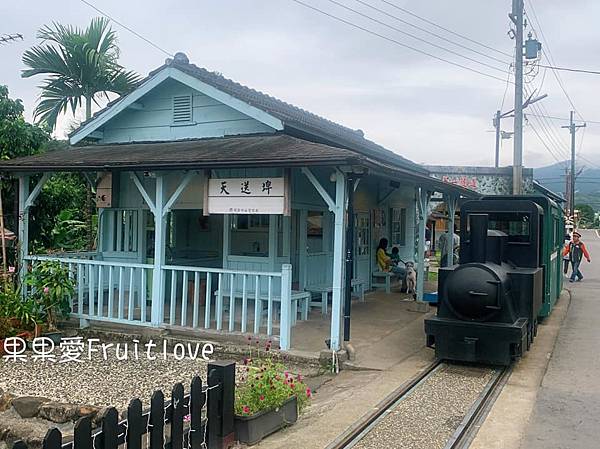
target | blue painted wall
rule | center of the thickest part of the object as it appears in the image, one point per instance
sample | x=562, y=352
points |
x=153, y=122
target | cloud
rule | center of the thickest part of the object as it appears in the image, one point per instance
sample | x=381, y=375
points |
x=425, y=109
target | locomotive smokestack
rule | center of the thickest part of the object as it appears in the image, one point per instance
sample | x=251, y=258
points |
x=478, y=237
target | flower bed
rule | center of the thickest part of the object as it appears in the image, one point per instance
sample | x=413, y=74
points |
x=268, y=397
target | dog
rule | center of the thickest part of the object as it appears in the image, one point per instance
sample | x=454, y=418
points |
x=411, y=278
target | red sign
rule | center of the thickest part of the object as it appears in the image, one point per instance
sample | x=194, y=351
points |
x=468, y=182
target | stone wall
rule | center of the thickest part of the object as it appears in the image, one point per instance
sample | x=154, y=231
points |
x=485, y=180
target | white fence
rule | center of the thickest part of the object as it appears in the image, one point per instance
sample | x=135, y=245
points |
x=190, y=297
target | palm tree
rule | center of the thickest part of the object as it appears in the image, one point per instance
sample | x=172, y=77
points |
x=81, y=66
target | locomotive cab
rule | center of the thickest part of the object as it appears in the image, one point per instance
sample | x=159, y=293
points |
x=488, y=303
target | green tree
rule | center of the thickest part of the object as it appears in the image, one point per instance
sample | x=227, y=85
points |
x=60, y=208
x=17, y=137
x=80, y=65
x=586, y=215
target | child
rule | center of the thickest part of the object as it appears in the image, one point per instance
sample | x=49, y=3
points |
x=566, y=256
x=576, y=251
x=395, y=255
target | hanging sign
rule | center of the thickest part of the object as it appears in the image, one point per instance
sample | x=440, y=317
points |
x=247, y=196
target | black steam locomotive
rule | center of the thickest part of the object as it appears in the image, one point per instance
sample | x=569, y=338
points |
x=488, y=304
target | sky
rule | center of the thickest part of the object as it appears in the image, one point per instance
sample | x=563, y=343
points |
x=428, y=110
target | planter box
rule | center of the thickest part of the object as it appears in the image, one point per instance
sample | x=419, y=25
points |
x=251, y=429
x=55, y=336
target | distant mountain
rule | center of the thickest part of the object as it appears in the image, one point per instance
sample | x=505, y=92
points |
x=587, y=188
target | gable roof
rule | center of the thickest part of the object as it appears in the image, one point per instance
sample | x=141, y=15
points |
x=296, y=121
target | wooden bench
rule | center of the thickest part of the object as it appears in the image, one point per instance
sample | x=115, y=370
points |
x=388, y=275
x=387, y=280
x=297, y=297
x=326, y=289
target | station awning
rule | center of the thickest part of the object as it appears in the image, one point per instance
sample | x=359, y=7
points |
x=278, y=150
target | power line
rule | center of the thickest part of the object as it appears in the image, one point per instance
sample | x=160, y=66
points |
x=122, y=25
x=550, y=131
x=568, y=69
x=485, y=55
x=547, y=130
x=544, y=144
x=581, y=139
x=394, y=41
x=550, y=58
x=4, y=38
x=425, y=41
x=406, y=11
x=553, y=117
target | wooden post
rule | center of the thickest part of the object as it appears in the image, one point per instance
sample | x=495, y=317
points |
x=159, y=253
x=220, y=407
x=422, y=204
x=451, y=203
x=285, y=324
x=338, y=259
x=23, y=220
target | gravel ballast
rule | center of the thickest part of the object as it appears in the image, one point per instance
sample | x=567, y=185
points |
x=429, y=415
x=99, y=382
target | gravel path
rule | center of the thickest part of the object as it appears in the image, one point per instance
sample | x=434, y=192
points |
x=98, y=382
x=429, y=415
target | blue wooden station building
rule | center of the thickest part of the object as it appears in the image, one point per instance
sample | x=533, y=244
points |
x=223, y=208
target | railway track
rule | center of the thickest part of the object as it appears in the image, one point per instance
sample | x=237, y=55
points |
x=442, y=407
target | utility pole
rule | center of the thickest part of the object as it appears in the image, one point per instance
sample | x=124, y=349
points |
x=572, y=129
x=568, y=189
x=497, y=126
x=516, y=16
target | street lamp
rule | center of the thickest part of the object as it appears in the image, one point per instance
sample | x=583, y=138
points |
x=499, y=116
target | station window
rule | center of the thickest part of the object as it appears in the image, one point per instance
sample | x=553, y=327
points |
x=398, y=223
x=122, y=228
x=249, y=235
x=314, y=232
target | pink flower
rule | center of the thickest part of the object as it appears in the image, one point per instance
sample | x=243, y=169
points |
x=262, y=397
x=300, y=377
x=46, y=290
x=286, y=374
x=187, y=418
x=308, y=393
x=11, y=269
x=246, y=409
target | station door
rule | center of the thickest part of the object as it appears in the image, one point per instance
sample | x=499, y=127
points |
x=362, y=248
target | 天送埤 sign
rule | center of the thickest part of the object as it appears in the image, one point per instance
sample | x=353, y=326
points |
x=246, y=196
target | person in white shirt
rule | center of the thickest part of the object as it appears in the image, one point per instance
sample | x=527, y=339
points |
x=446, y=247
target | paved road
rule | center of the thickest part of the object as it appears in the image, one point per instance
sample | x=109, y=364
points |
x=567, y=411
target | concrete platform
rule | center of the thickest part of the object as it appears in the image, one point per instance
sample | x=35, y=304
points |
x=384, y=330
x=567, y=410
x=552, y=399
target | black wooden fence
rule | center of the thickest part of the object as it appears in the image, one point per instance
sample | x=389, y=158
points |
x=176, y=424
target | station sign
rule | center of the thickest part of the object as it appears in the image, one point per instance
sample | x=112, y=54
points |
x=247, y=196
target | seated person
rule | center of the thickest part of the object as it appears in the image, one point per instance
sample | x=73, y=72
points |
x=395, y=256
x=385, y=262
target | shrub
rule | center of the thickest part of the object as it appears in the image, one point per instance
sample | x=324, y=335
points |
x=6, y=329
x=266, y=385
x=13, y=305
x=51, y=288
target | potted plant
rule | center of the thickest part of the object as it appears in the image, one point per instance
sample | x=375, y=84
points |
x=19, y=312
x=6, y=331
x=51, y=287
x=267, y=398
